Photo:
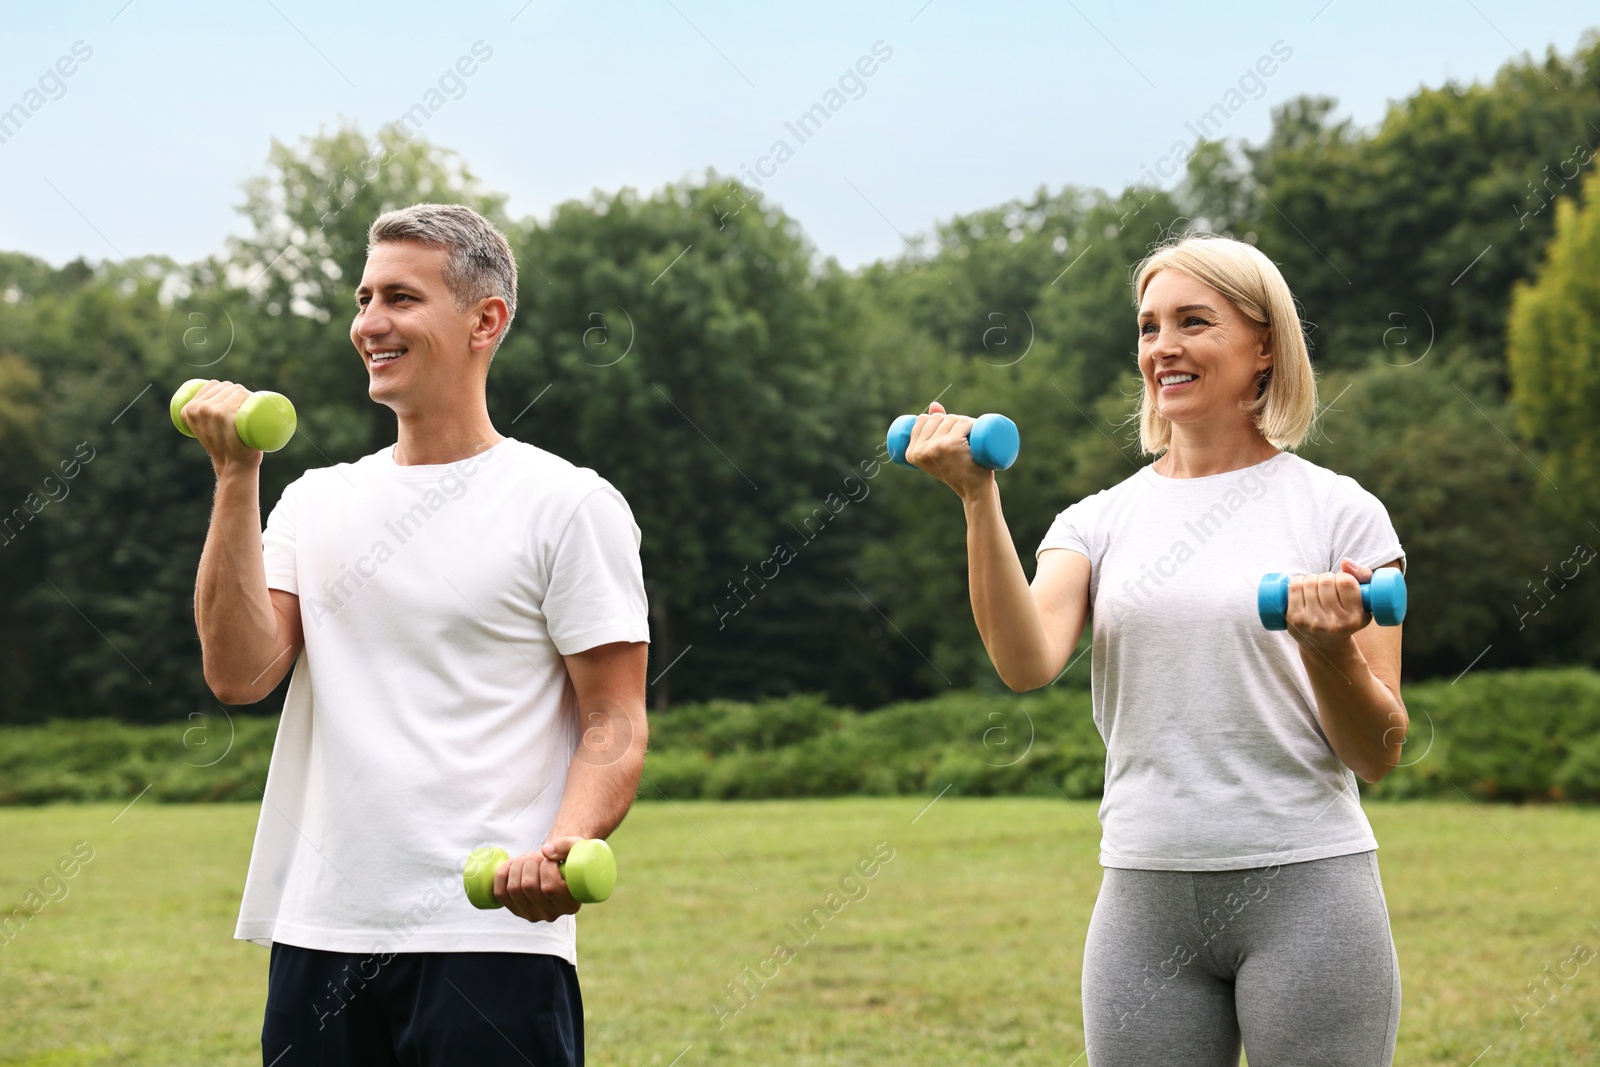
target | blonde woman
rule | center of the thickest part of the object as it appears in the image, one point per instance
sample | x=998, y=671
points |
x=1240, y=901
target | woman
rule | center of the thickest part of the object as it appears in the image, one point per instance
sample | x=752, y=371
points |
x=1240, y=900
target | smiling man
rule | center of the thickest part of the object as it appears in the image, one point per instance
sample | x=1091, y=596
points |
x=466, y=620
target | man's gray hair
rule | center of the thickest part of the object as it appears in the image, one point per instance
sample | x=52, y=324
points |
x=480, y=262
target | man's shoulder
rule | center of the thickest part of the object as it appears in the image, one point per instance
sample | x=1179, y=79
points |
x=546, y=474
x=337, y=477
x=516, y=459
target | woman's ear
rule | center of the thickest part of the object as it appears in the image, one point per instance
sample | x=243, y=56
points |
x=1264, y=362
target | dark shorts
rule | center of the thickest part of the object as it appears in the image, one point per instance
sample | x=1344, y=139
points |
x=420, y=1009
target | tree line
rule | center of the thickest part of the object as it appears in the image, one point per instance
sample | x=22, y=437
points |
x=693, y=347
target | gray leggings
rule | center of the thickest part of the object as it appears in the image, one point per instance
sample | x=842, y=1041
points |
x=1294, y=961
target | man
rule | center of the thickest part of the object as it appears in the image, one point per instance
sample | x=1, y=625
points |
x=466, y=619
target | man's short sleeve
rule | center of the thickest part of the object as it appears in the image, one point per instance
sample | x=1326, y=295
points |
x=277, y=544
x=1359, y=527
x=596, y=591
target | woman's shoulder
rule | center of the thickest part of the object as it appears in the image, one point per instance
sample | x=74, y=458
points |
x=1132, y=485
x=1332, y=484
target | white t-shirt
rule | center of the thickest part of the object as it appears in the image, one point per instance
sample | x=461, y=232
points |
x=1215, y=758
x=430, y=710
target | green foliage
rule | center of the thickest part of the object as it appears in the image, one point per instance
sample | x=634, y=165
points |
x=1023, y=309
x=1425, y=438
x=1506, y=735
x=691, y=346
x=205, y=758
x=682, y=345
x=1554, y=355
x=978, y=745
x=1435, y=213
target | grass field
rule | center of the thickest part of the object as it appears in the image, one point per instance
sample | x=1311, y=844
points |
x=965, y=948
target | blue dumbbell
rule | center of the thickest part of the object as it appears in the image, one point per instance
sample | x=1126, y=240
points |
x=1384, y=598
x=994, y=441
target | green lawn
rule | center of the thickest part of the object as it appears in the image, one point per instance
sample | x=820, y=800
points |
x=965, y=949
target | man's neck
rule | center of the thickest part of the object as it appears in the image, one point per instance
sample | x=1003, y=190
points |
x=446, y=437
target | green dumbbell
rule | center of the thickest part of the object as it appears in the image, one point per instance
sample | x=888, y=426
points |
x=265, y=421
x=590, y=870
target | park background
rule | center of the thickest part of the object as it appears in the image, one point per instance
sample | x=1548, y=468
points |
x=696, y=344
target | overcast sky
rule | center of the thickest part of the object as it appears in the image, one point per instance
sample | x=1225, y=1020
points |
x=169, y=106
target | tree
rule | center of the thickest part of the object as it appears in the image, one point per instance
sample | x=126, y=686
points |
x=1554, y=357
x=292, y=280
x=683, y=346
x=1426, y=439
x=1432, y=215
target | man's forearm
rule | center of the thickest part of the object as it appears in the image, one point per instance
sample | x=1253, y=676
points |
x=597, y=798
x=232, y=608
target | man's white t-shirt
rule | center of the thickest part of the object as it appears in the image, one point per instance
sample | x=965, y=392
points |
x=430, y=710
x=1215, y=757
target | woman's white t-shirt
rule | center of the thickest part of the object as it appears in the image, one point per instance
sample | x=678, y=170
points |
x=1215, y=758
x=430, y=709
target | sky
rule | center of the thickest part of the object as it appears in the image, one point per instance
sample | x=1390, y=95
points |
x=933, y=108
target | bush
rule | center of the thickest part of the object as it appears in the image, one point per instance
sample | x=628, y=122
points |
x=1530, y=735
x=206, y=757
x=1502, y=735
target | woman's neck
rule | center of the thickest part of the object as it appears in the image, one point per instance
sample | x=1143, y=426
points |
x=1195, y=453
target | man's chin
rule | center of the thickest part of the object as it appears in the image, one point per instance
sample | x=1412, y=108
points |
x=386, y=394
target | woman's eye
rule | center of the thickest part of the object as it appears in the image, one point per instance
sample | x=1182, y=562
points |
x=1146, y=328
x=1195, y=319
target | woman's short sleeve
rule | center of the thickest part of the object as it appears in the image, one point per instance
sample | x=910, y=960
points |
x=1359, y=527
x=1078, y=528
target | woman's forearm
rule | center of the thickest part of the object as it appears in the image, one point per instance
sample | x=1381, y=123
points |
x=1002, y=602
x=1363, y=719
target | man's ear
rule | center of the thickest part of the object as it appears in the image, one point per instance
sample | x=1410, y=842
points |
x=492, y=320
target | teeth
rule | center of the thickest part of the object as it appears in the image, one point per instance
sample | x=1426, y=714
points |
x=384, y=357
x=1174, y=379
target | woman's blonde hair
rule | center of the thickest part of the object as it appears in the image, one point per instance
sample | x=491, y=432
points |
x=1286, y=401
